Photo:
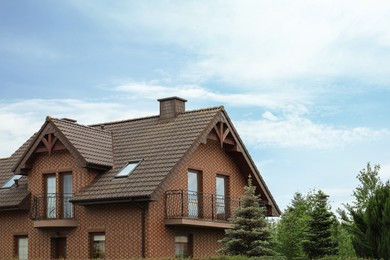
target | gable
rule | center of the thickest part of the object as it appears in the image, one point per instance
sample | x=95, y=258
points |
x=221, y=129
x=90, y=147
x=14, y=196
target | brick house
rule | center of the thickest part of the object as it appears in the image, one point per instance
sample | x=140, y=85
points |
x=150, y=187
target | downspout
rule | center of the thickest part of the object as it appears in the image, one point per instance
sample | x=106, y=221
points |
x=143, y=209
x=143, y=242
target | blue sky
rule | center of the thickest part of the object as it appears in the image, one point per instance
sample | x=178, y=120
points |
x=306, y=83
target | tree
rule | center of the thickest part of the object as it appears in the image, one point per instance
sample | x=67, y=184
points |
x=319, y=240
x=250, y=235
x=377, y=223
x=370, y=182
x=363, y=218
x=292, y=227
x=344, y=240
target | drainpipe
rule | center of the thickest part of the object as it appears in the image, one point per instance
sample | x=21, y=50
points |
x=143, y=216
x=143, y=208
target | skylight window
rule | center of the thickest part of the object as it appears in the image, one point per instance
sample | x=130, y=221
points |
x=11, y=181
x=128, y=169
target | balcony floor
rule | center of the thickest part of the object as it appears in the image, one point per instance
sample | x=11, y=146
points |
x=196, y=223
x=56, y=223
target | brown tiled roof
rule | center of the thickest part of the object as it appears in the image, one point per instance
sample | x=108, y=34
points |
x=12, y=198
x=162, y=145
x=159, y=144
x=93, y=144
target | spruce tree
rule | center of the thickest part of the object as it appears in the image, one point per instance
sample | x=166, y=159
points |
x=319, y=241
x=250, y=235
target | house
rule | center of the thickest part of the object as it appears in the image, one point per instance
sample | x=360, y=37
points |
x=159, y=186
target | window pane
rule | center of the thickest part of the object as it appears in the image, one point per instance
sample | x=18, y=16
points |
x=220, y=198
x=98, y=246
x=128, y=169
x=181, y=246
x=192, y=194
x=51, y=202
x=67, y=196
x=221, y=186
x=23, y=248
x=11, y=181
x=193, y=181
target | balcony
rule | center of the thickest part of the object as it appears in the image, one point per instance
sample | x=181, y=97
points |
x=188, y=208
x=53, y=210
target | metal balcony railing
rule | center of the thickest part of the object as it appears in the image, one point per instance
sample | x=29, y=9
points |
x=197, y=205
x=52, y=206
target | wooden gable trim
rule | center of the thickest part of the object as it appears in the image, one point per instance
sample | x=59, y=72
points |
x=255, y=172
x=220, y=133
x=54, y=135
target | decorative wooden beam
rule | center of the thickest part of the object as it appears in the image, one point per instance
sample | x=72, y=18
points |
x=49, y=142
x=222, y=132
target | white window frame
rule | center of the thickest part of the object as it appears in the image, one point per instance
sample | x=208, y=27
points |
x=22, y=247
x=11, y=181
x=128, y=169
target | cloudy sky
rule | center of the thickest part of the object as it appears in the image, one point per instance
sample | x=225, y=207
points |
x=306, y=83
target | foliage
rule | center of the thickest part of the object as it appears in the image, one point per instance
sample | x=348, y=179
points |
x=370, y=182
x=367, y=219
x=307, y=228
x=250, y=235
x=376, y=219
x=344, y=240
x=240, y=257
x=292, y=227
x=319, y=240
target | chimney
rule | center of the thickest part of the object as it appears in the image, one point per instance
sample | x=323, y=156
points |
x=172, y=106
x=69, y=120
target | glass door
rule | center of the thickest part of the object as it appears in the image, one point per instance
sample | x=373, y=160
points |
x=51, y=201
x=221, y=197
x=67, y=195
x=193, y=210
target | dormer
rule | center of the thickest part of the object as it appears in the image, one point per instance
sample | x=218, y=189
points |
x=90, y=147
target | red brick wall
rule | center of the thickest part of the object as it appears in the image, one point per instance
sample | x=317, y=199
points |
x=211, y=160
x=120, y=222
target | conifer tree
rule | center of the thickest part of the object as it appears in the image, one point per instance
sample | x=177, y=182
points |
x=319, y=241
x=250, y=235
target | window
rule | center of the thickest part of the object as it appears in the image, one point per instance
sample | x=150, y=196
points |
x=22, y=247
x=98, y=245
x=128, y=169
x=51, y=198
x=193, y=188
x=67, y=210
x=11, y=181
x=221, y=196
x=183, y=246
x=58, y=203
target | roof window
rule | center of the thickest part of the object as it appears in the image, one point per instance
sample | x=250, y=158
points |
x=11, y=181
x=128, y=169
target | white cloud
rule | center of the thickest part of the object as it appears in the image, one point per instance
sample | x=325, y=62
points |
x=296, y=131
x=269, y=116
x=286, y=100
x=24, y=117
x=262, y=41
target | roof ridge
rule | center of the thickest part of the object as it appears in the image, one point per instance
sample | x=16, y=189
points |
x=155, y=116
x=77, y=124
